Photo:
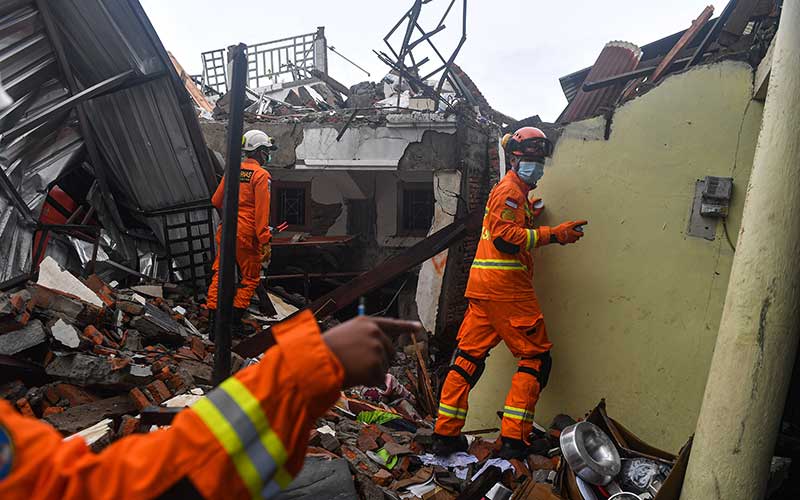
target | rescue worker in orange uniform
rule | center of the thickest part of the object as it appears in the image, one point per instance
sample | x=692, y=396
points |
x=503, y=304
x=253, y=234
x=245, y=439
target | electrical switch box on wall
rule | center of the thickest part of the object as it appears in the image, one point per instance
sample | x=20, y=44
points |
x=712, y=199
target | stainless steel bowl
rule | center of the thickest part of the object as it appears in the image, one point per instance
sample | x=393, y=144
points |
x=590, y=453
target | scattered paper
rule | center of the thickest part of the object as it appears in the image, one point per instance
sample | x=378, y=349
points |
x=460, y=459
x=326, y=429
x=497, y=462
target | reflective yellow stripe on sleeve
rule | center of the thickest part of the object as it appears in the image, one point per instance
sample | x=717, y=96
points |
x=533, y=238
x=236, y=419
x=499, y=264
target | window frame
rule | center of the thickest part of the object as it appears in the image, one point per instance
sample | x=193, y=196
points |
x=402, y=187
x=274, y=199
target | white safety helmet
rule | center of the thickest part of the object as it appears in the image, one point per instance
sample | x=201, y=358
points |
x=256, y=139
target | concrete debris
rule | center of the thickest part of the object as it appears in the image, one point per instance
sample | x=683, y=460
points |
x=15, y=310
x=154, y=291
x=52, y=276
x=110, y=355
x=78, y=418
x=31, y=335
x=66, y=334
x=93, y=371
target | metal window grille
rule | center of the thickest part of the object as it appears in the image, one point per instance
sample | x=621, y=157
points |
x=417, y=210
x=292, y=206
x=268, y=62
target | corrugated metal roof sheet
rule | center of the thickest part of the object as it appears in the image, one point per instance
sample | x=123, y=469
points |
x=571, y=83
x=35, y=160
x=143, y=131
x=147, y=133
x=615, y=58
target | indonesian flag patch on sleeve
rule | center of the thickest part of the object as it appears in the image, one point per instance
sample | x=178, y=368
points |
x=6, y=453
x=511, y=203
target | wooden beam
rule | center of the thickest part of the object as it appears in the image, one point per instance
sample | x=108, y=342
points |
x=683, y=42
x=376, y=278
x=197, y=96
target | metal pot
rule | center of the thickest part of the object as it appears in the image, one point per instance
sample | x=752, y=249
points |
x=625, y=496
x=590, y=453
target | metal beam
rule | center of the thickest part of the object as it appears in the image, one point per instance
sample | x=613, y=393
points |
x=15, y=197
x=230, y=213
x=66, y=105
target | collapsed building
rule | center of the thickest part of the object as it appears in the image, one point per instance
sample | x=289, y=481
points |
x=111, y=151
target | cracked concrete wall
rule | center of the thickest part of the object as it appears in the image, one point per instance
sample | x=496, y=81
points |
x=633, y=309
x=446, y=189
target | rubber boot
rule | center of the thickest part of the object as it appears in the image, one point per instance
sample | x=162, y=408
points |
x=513, y=448
x=237, y=327
x=444, y=446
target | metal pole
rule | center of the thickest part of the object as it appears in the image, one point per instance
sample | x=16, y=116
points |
x=230, y=215
x=759, y=330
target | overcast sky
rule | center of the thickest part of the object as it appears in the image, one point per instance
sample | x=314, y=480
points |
x=515, y=50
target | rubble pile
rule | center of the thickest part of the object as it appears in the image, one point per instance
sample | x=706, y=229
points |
x=102, y=353
x=392, y=459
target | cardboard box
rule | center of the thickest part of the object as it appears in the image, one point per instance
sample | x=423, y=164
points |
x=629, y=445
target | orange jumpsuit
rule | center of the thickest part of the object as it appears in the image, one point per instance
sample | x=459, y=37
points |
x=246, y=439
x=502, y=306
x=252, y=232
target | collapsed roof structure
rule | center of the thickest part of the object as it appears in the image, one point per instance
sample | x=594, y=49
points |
x=100, y=114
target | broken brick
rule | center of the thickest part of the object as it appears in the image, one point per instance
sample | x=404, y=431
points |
x=198, y=347
x=75, y=395
x=366, y=443
x=24, y=407
x=93, y=334
x=482, y=449
x=139, y=399
x=383, y=477
x=15, y=310
x=51, y=394
x=188, y=353
x=159, y=391
x=102, y=290
x=128, y=425
x=131, y=308
x=52, y=411
x=386, y=438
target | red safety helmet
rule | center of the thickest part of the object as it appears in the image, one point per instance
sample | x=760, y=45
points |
x=529, y=142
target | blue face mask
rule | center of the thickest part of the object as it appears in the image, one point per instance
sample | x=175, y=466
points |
x=530, y=172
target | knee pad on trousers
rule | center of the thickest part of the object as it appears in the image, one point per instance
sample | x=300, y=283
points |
x=543, y=373
x=480, y=366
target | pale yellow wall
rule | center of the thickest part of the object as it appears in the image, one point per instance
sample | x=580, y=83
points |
x=634, y=308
